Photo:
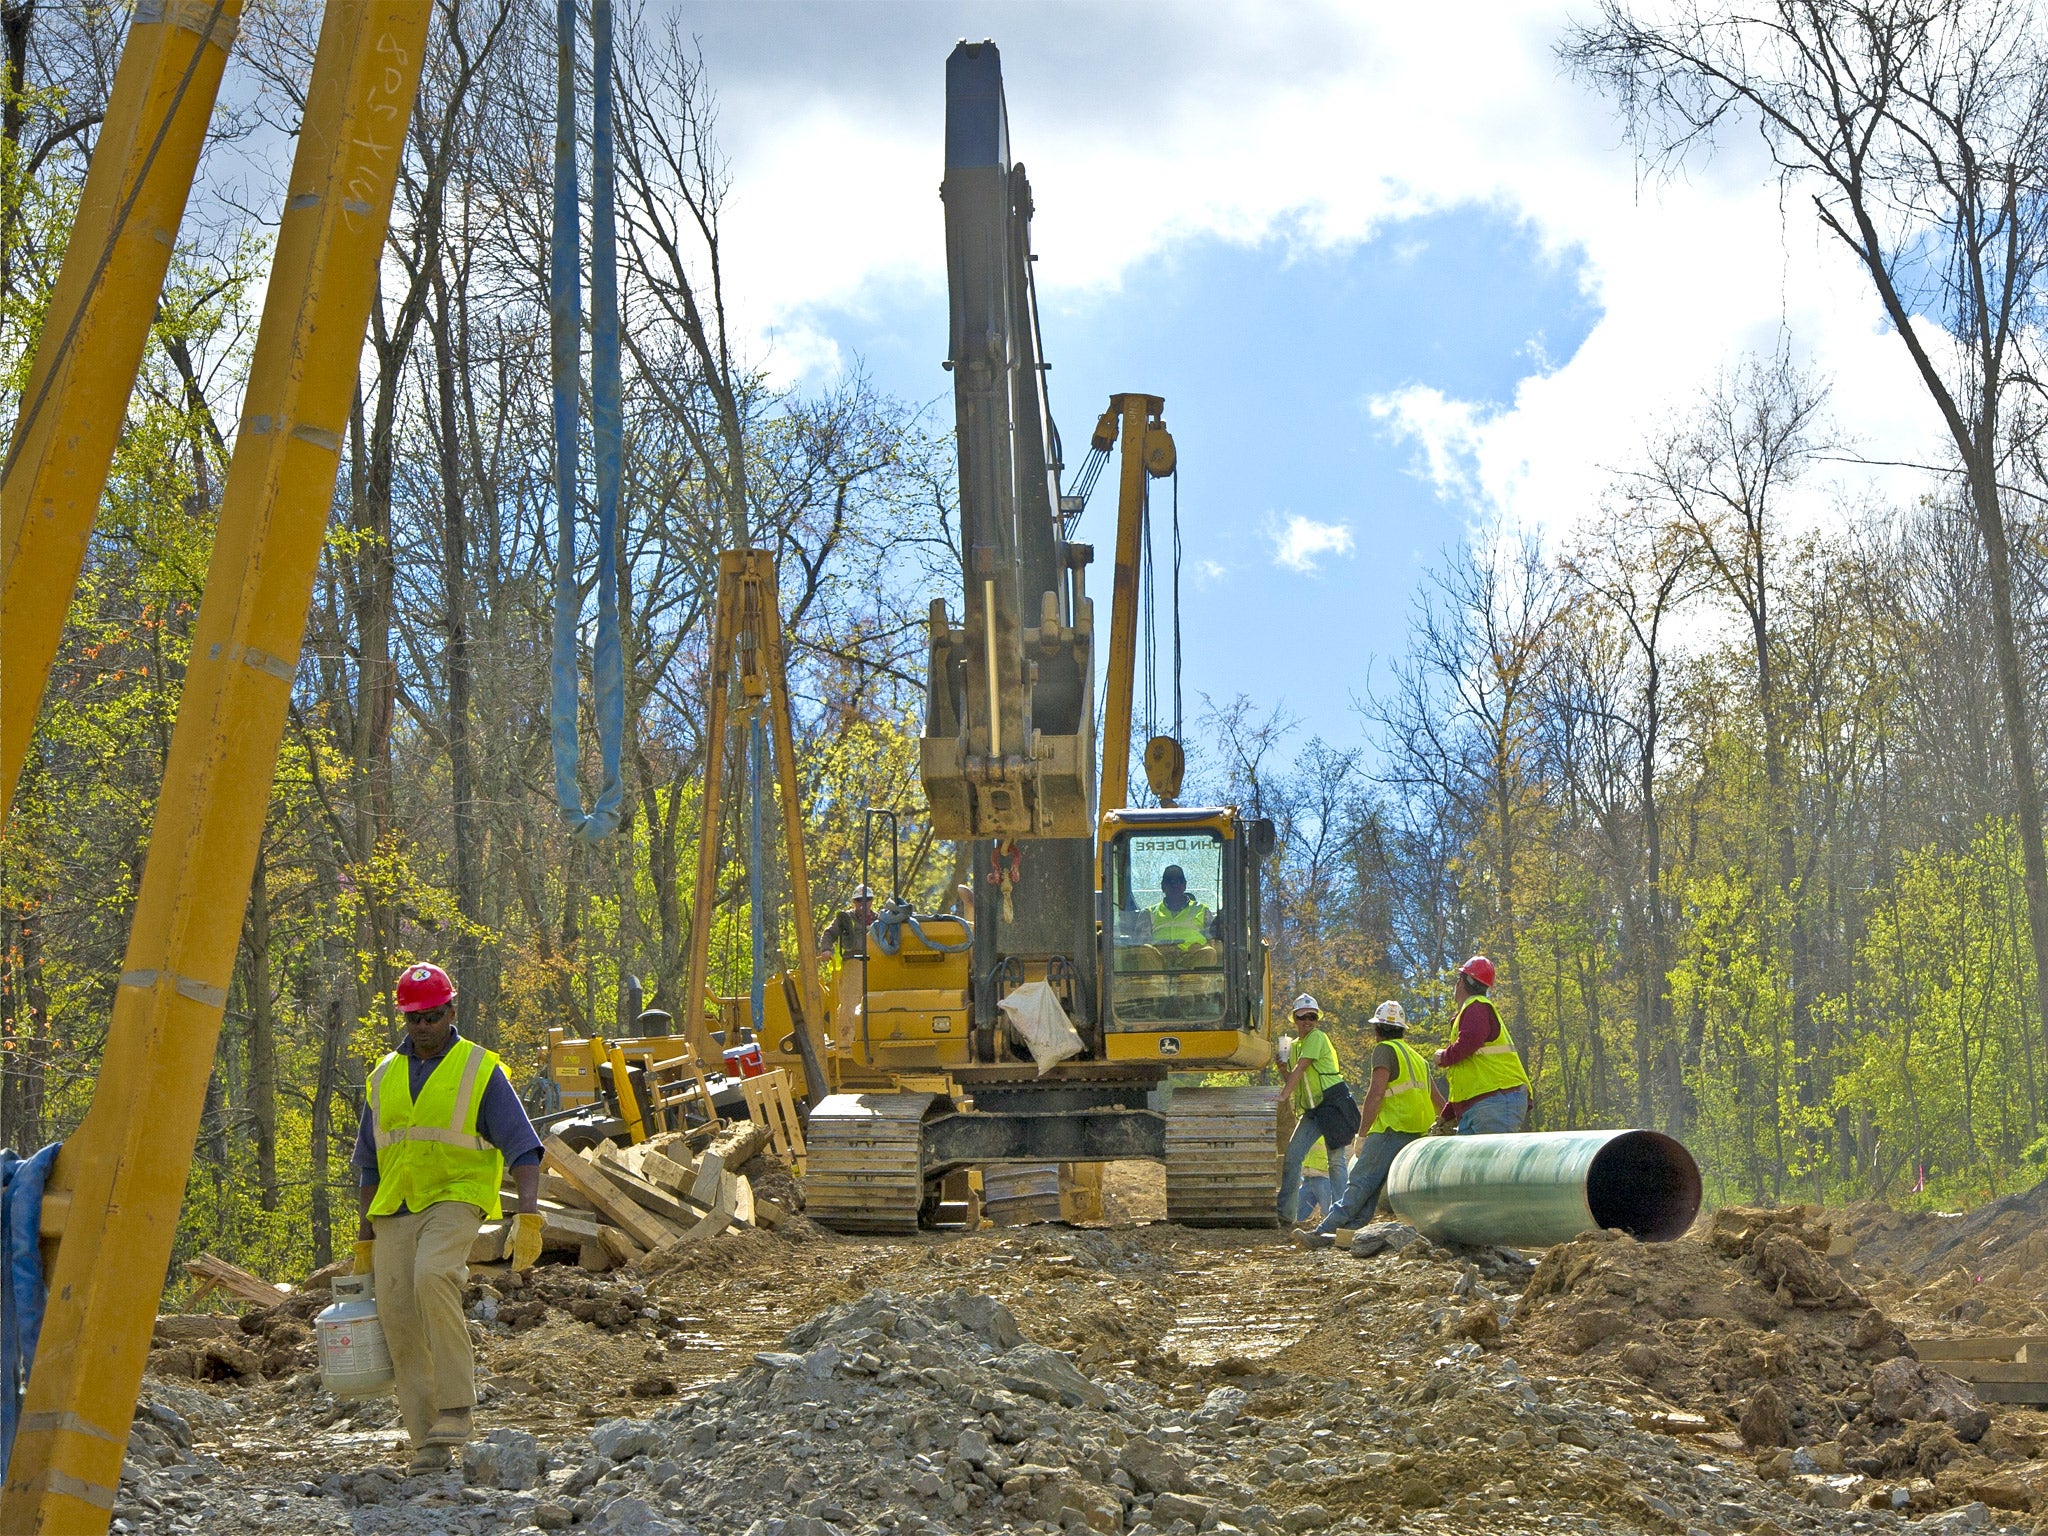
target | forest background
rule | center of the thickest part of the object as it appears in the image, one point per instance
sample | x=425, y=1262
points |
x=1734, y=780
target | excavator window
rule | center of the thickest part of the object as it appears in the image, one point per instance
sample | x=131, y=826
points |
x=1167, y=941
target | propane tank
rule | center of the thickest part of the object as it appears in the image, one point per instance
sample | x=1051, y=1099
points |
x=354, y=1359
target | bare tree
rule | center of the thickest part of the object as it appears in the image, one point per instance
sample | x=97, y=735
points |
x=1921, y=128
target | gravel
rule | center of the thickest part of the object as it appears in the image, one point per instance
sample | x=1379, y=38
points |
x=1396, y=1399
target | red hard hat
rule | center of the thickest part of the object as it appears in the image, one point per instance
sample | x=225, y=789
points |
x=424, y=986
x=1479, y=968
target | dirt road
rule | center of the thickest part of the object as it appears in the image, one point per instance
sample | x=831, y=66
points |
x=1135, y=1377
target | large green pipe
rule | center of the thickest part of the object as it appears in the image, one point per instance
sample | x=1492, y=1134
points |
x=1544, y=1187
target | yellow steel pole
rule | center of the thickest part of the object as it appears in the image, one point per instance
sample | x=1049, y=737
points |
x=93, y=335
x=1123, y=606
x=125, y=1166
x=770, y=638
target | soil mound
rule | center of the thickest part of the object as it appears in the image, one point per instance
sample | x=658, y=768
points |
x=1751, y=1324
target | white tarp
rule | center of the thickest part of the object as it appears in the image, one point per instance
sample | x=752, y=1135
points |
x=1036, y=1017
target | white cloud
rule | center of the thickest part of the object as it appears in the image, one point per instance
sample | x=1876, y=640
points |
x=1320, y=125
x=1209, y=572
x=1301, y=542
x=1447, y=433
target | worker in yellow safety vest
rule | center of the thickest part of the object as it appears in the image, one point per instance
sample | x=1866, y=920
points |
x=1399, y=1107
x=1489, y=1087
x=440, y=1125
x=1179, y=921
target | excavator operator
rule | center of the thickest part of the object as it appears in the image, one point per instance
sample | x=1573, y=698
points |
x=1179, y=922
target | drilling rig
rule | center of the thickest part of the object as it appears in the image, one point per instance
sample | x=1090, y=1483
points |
x=1077, y=894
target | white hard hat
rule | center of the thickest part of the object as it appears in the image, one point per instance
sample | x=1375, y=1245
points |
x=1390, y=1012
x=1306, y=1004
x=862, y=893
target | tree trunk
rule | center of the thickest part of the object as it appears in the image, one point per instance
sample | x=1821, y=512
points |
x=24, y=1029
x=262, y=1090
x=15, y=17
x=2012, y=692
x=461, y=770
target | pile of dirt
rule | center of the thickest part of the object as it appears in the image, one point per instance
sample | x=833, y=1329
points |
x=2005, y=1242
x=264, y=1343
x=1754, y=1329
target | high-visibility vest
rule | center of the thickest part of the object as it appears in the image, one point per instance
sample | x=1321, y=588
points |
x=1185, y=928
x=428, y=1149
x=1315, y=1082
x=1492, y=1067
x=1406, y=1105
x=1316, y=1159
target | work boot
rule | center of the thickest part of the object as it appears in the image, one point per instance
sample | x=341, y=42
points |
x=450, y=1429
x=1314, y=1239
x=430, y=1460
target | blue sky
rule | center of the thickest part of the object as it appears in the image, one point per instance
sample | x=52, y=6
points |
x=1393, y=276
x=1268, y=355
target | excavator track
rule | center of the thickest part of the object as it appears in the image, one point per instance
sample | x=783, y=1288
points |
x=865, y=1168
x=1222, y=1167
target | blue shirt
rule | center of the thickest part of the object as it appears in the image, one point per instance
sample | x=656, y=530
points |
x=500, y=1119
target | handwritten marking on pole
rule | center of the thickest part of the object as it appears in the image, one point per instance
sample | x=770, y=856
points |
x=370, y=180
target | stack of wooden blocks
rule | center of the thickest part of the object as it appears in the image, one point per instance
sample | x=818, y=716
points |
x=612, y=1205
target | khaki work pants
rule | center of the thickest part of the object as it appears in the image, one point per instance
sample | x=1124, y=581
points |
x=846, y=1017
x=421, y=1262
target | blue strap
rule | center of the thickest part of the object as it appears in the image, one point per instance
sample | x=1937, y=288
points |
x=21, y=1281
x=565, y=338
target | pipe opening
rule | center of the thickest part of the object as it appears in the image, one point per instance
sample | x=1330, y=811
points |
x=1645, y=1184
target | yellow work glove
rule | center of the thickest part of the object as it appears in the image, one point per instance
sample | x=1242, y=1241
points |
x=364, y=1247
x=525, y=1239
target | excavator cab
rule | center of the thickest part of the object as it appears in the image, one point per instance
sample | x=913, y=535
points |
x=1183, y=964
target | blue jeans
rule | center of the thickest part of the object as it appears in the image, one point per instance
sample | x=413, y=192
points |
x=1367, y=1178
x=1315, y=1191
x=1306, y=1134
x=1500, y=1115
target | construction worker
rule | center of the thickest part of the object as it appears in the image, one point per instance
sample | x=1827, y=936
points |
x=1399, y=1107
x=848, y=933
x=1312, y=1071
x=440, y=1125
x=848, y=938
x=1489, y=1087
x=1179, y=921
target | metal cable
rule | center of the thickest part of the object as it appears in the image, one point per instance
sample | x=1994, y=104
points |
x=25, y=424
x=1176, y=604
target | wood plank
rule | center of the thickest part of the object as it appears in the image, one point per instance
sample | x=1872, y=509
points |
x=2003, y=1346
x=710, y=1173
x=665, y=1172
x=554, y=1187
x=643, y=1194
x=643, y=1228
x=1996, y=1370
x=2027, y=1393
x=621, y=1247
x=564, y=1230
x=595, y=1257
x=236, y=1281
x=770, y=1215
x=738, y=1143
x=743, y=1201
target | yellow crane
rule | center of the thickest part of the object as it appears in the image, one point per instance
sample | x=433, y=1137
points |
x=115, y=1191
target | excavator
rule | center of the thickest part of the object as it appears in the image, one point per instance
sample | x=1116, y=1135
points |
x=1142, y=925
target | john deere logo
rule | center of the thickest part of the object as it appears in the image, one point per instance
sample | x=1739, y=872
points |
x=1169, y=1045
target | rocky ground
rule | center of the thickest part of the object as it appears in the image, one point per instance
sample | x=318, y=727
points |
x=1142, y=1378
